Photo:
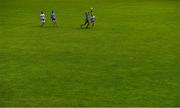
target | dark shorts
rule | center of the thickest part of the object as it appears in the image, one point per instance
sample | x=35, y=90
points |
x=86, y=21
x=53, y=19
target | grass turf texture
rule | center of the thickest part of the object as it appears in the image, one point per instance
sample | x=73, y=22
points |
x=131, y=58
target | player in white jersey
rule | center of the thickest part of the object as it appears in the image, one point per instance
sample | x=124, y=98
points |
x=42, y=18
x=92, y=20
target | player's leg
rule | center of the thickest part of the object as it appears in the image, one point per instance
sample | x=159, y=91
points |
x=42, y=22
x=93, y=23
x=87, y=25
x=55, y=22
x=82, y=25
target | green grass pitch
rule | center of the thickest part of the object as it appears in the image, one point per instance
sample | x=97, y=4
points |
x=130, y=58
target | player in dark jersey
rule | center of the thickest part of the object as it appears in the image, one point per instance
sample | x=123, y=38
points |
x=53, y=18
x=86, y=24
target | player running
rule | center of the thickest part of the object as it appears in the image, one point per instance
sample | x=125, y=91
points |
x=53, y=18
x=92, y=20
x=42, y=18
x=86, y=24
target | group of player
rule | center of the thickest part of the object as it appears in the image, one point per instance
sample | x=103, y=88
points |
x=89, y=16
x=43, y=18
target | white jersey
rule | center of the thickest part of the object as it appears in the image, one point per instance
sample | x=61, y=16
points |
x=93, y=18
x=42, y=16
